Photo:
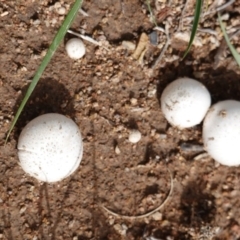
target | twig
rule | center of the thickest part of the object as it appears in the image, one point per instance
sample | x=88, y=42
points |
x=160, y=29
x=221, y=49
x=85, y=14
x=217, y=9
x=201, y=156
x=151, y=13
x=180, y=26
x=164, y=48
x=206, y=30
x=89, y=39
x=147, y=214
x=220, y=8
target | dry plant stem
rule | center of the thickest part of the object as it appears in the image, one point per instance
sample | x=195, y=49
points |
x=213, y=5
x=152, y=18
x=164, y=48
x=220, y=8
x=225, y=5
x=208, y=30
x=147, y=214
x=83, y=12
x=201, y=156
x=159, y=29
x=141, y=46
x=180, y=26
x=89, y=39
x=213, y=11
x=221, y=49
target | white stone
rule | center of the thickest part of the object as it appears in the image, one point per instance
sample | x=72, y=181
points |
x=157, y=216
x=61, y=11
x=75, y=48
x=134, y=136
x=117, y=150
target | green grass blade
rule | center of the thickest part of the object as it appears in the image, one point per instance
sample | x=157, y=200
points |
x=196, y=19
x=151, y=13
x=231, y=47
x=53, y=47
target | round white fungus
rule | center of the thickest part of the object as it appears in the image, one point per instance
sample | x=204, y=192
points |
x=50, y=147
x=221, y=132
x=75, y=48
x=184, y=102
x=134, y=136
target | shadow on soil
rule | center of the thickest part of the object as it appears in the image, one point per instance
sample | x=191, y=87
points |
x=143, y=231
x=49, y=96
x=222, y=84
x=198, y=206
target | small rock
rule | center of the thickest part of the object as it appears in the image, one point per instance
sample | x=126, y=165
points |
x=111, y=221
x=117, y=150
x=121, y=229
x=71, y=223
x=153, y=37
x=57, y=5
x=23, y=209
x=134, y=101
x=61, y=11
x=129, y=45
x=151, y=93
x=134, y=136
x=157, y=216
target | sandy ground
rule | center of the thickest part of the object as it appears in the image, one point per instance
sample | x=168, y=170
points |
x=108, y=93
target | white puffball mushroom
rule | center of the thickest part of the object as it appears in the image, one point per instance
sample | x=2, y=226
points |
x=50, y=147
x=134, y=136
x=185, y=102
x=75, y=48
x=221, y=132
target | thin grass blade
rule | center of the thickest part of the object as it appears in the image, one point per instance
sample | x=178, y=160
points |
x=53, y=47
x=151, y=13
x=231, y=47
x=197, y=15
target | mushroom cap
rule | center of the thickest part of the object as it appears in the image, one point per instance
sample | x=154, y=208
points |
x=221, y=132
x=75, y=48
x=50, y=147
x=185, y=102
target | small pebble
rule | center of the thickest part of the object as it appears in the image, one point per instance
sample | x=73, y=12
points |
x=23, y=209
x=61, y=11
x=134, y=101
x=117, y=150
x=57, y=5
x=121, y=229
x=153, y=37
x=134, y=136
x=111, y=221
x=129, y=45
x=189, y=147
x=157, y=216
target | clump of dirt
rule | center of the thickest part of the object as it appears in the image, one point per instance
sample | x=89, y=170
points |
x=108, y=93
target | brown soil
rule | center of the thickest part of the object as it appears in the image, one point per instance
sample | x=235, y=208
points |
x=108, y=93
